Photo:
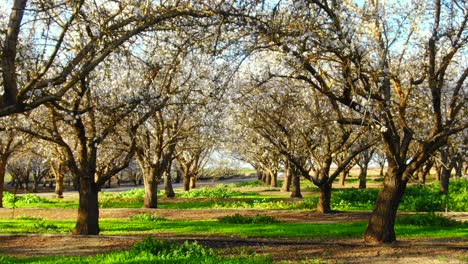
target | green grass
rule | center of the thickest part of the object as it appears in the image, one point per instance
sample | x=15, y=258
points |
x=418, y=199
x=215, y=227
x=148, y=251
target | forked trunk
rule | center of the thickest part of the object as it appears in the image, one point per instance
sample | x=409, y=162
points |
x=151, y=189
x=324, y=203
x=381, y=226
x=88, y=209
x=296, y=187
x=3, y=164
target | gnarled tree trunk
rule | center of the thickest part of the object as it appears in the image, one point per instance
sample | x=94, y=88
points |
x=381, y=226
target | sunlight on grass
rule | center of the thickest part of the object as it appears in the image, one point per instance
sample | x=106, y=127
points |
x=214, y=227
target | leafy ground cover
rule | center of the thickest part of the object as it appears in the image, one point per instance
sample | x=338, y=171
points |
x=232, y=196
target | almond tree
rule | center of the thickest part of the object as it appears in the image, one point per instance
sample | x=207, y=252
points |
x=385, y=64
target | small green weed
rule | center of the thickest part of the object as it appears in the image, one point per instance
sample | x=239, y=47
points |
x=147, y=217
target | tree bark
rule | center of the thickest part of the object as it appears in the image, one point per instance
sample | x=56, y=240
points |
x=3, y=164
x=363, y=177
x=324, y=203
x=59, y=185
x=344, y=175
x=151, y=188
x=88, y=209
x=296, y=187
x=445, y=172
x=268, y=178
x=168, y=188
x=274, y=179
x=381, y=226
x=287, y=179
x=264, y=177
x=193, y=182
x=186, y=183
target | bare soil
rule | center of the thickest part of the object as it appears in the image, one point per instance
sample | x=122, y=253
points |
x=293, y=250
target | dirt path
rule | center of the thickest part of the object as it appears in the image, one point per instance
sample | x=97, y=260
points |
x=341, y=251
x=204, y=214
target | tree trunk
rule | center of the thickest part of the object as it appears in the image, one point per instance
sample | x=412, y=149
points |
x=274, y=179
x=168, y=188
x=458, y=166
x=381, y=226
x=35, y=186
x=264, y=177
x=193, y=182
x=296, y=187
x=424, y=172
x=268, y=178
x=381, y=170
x=186, y=183
x=287, y=179
x=445, y=172
x=324, y=202
x=3, y=163
x=151, y=188
x=88, y=208
x=259, y=175
x=363, y=177
x=438, y=169
x=59, y=185
x=444, y=180
x=344, y=175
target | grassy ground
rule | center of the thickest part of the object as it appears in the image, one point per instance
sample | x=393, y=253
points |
x=245, y=195
x=217, y=228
